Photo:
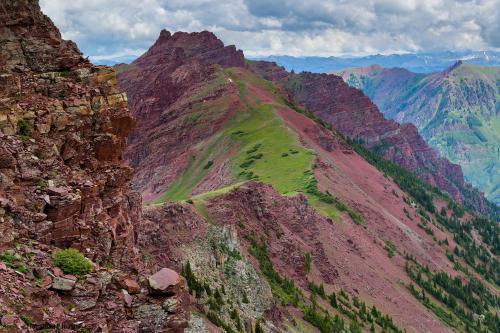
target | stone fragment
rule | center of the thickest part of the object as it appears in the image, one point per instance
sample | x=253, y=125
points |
x=131, y=286
x=55, y=190
x=8, y=320
x=170, y=305
x=127, y=298
x=63, y=284
x=57, y=271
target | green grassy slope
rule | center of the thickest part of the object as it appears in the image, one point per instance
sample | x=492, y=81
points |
x=266, y=150
x=259, y=147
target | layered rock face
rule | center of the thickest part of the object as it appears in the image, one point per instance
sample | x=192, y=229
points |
x=168, y=87
x=63, y=183
x=63, y=126
x=354, y=115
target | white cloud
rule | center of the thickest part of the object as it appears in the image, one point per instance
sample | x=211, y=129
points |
x=296, y=27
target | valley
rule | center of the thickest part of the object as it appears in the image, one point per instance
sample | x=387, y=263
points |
x=194, y=190
x=455, y=110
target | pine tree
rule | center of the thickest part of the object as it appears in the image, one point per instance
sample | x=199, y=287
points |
x=333, y=300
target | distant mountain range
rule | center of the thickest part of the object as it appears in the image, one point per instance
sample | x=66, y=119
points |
x=457, y=111
x=416, y=62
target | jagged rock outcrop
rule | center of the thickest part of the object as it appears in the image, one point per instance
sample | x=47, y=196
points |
x=63, y=182
x=354, y=115
x=64, y=128
x=168, y=87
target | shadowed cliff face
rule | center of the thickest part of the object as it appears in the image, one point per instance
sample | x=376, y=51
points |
x=168, y=88
x=354, y=115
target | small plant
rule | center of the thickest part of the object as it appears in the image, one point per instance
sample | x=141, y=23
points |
x=7, y=258
x=27, y=319
x=258, y=328
x=254, y=148
x=71, y=261
x=333, y=300
x=21, y=268
x=238, y=133
x=23, y=127
x=308, y=262
x=208, y=165
x=390, y=248
x=43, y=184
x=245, y=297
x=246, y=164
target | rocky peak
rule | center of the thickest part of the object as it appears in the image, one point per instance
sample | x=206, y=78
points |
x=203, y=46
x=30, y=41
x=161, y=87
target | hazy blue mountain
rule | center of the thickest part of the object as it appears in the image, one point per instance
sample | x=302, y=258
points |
x=415, y=62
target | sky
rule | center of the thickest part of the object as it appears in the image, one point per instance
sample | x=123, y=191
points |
x=110, y=29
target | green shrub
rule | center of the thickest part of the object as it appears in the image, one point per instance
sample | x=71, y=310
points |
x=245, y=297
x=7, y=258
x=27, y=319
x=71, y=261
x=23, y=127
x=208, y=165
x=308, y=262
x=43, y=184
x=390, y=248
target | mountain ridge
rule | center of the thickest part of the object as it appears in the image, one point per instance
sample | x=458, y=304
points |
x=416, y=62
x=355, y=116
x=286, y=184
x=455, y=110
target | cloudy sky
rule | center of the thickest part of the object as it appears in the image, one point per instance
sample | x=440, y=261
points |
x=107, y=29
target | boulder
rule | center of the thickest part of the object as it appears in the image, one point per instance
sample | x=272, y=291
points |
x=165, y=281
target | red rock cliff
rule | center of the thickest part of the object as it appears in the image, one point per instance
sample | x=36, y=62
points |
x=63, y=128
x=63, y=183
